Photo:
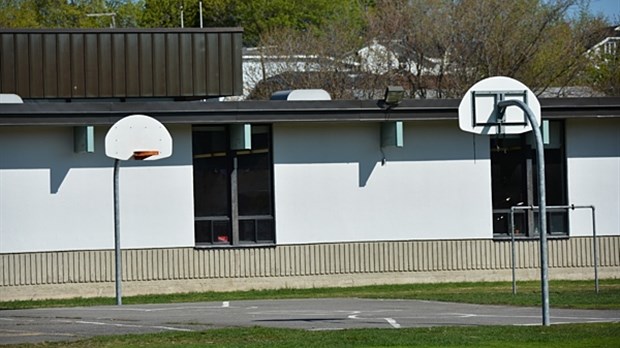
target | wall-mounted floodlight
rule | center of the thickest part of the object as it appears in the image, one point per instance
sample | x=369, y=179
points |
x=393, y=96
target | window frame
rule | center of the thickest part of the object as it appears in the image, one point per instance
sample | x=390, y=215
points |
x=527, y=220
x=232, y=215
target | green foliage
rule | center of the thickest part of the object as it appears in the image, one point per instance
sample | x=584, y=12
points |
x=161, y=14
x=18, y=14
x=68, y=14
x=255, y=16
x=604, y=72
x=262, y=16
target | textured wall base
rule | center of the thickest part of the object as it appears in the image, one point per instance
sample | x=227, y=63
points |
x=106, y=289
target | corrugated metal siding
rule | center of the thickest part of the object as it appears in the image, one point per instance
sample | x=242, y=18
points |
x=298, y=260
x=121, y=63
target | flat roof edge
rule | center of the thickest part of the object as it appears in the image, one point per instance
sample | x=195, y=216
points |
x=98, y=112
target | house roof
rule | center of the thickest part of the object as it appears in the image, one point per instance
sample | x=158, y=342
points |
x=275, y=111
x=601, y=36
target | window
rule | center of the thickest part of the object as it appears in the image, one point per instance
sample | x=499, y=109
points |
x=233, y=195
x=515, y=183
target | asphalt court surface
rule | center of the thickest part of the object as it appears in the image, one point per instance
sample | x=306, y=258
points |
x=58, y=324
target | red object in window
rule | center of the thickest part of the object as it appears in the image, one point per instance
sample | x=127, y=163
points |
x=222, y=238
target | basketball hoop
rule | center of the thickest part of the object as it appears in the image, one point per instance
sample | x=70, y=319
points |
x=138, y=137
x=480, y=111
x=485, y=110
x=140, y=155
x=126, y=140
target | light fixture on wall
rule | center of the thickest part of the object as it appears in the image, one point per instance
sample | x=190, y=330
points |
x=393, y=96
x=391, y=130
x=84, y=139
x=392, y=134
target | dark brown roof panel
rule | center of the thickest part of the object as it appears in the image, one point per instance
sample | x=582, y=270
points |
x=63, y=63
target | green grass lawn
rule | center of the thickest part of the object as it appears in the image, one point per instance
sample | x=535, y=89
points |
x=560, y=336
x=562, y=294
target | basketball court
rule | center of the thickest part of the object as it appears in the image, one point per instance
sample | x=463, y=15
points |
x=62, y=324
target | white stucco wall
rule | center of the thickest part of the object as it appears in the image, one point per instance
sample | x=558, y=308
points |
x=54, y=199
x=330, y=184
x=593, y=166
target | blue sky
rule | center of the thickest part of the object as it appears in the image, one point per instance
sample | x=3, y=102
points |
x=610, y=8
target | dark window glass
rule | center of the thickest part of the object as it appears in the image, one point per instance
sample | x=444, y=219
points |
x=209, y=140
x=202, y=232
x=212, y=231
x=508, y=172
x=218, y=173
x=211, y=189
x=265, y=230
x=514, y=182
x=221, y=232
x=254, y=184
x=247, y=232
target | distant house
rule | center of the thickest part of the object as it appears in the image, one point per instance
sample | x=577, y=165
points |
x=606, y=41
x=374, y=59
x=319, y=195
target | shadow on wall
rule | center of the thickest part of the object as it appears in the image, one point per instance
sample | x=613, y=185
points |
x=586, y=139
x=52, y=148
x=361, y=143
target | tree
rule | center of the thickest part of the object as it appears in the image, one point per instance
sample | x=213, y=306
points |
x=259, y=17
x=530, y=40
x=18, y=14
x=164, y=13
x=316, y=57
x=604, y=72
x=419, y=33
x=439, y=48
x=449, y=45
x=67, y=14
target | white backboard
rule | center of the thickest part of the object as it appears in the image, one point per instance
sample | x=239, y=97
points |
x=138, y=134
x=478, y=112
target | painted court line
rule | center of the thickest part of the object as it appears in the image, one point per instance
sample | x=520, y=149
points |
x=354, y=315
x=24, y=333
x=126, y=325
x=393, y=323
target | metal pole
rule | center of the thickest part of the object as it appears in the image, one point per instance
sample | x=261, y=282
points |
x=544, y=269
x=595, y=250
x=594, y=236
x=182, y=22
x=512, y=251
x=200, y=5
x=117, y=234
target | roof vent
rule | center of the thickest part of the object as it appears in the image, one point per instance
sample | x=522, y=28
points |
x=301, y=94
